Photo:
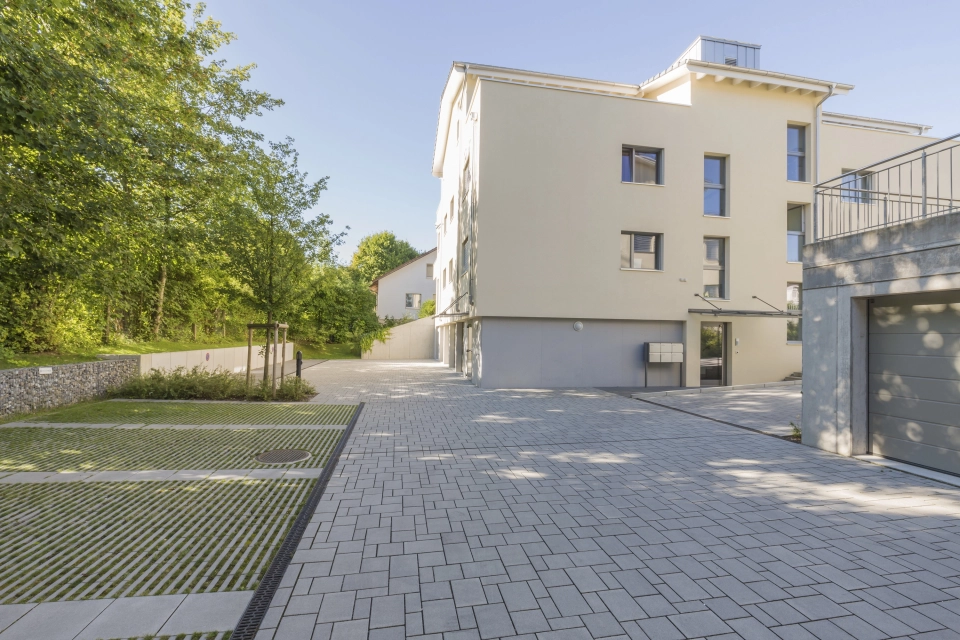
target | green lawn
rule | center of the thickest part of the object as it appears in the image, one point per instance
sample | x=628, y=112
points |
x=85, y=541
x=246, y=413
x=109, y=449
x=320, y=352
x=329, y=351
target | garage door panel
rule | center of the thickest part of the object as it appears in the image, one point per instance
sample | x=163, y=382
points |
x=942, y=318
x=930, y=343
x=892, y=385
x=911, y=409
x=935, y=435
x=916, y=366
x=922, y=454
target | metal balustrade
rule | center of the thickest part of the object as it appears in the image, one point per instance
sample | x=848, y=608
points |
x=918, y=184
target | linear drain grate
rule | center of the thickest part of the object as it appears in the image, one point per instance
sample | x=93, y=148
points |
x=283, y=456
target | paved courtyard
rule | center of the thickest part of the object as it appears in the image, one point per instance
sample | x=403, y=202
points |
x=464, y=513
x=767, y=410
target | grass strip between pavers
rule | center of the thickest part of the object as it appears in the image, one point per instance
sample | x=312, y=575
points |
x=109, y=449
x=109, y=540
x=202, y=413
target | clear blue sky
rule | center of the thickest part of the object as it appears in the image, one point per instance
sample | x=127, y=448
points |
x=362, y=80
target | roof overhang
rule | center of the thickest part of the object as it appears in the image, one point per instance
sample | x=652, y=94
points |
x=450, y=90
x=893, y=126
x=752, y=78
x=745, y=313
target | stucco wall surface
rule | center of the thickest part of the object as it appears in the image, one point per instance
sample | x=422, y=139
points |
x=26, y=390
x=233, y=359
x=411, y=341
x=543, y=353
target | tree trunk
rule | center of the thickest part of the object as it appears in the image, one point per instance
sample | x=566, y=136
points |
x=266, y=354
x=161, y=291
x=106, y=324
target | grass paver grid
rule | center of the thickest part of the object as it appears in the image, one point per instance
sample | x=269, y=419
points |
x=114, y=449
x=91, y=541
x=247, y=413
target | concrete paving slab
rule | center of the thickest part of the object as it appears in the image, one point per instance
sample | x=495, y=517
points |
x=206, y=612
x=132, y=617
x=10, y=613
x=769, y=410
x=55, y=620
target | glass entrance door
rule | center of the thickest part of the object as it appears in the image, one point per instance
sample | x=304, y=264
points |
x=712, y=352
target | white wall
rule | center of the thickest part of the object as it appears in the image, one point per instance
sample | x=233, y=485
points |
x=232, y=359
x=410, y=341
x=392, y=288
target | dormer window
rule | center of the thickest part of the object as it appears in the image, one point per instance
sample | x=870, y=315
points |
x=731, y=61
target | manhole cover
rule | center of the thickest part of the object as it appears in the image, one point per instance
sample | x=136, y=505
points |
x=282, y=456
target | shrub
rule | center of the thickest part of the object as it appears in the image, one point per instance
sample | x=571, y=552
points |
x=428, y=309
x=200, y=384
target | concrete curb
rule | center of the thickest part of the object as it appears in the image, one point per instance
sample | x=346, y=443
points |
x=697, y=390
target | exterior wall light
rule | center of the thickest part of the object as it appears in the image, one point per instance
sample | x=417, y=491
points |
x=577, y=326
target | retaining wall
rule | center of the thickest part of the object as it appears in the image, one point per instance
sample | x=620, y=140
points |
x=410, y=341
x=233, y=359
x=26, y=390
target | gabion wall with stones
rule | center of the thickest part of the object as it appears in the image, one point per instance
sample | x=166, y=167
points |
x=26, y=390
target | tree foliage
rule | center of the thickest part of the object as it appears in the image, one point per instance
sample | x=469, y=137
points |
x=135, y=200
x=380, y=252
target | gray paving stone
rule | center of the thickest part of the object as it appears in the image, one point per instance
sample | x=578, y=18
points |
x=440, y=616
x=207, y=612
x=600, y=505
x=55, y=620
x=493, y=621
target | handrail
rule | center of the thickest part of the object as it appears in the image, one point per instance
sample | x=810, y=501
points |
x=899, y=155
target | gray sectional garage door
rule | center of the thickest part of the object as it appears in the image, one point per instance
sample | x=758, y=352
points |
x=914, y=379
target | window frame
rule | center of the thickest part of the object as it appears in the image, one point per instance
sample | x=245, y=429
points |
x=430, y=271
x=798, y=321
x=657, y=253
x=858, y=183
x=794, y=234
x=801, y=154
x=722, y=268
x=658, y=180
x=415, y=298
x=721, y=186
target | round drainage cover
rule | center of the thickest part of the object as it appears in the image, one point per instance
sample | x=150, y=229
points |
x=283, y=456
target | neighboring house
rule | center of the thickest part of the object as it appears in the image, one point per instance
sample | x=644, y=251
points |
x=881, y=282
x=595, y=233
x=403, y=290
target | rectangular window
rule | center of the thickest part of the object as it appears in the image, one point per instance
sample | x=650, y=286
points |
x=413, y=301
x=796, y=153
x=714, y=268
x=444, y=278
x=641, y=165
x=794, y=303
x=855, y=187
x=465, y=256
x=430, y=271
x=641, y=251
x=795, y=233
x=714, y=186
x=450, y=269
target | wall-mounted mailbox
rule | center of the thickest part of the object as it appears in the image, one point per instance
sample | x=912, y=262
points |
x=664, y=352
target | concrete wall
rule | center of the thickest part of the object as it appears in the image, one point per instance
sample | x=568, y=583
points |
x=411, y=341
x=232, y=359
x=27, y=390
x=543, y=353
x=412, y=278
x=839, y=277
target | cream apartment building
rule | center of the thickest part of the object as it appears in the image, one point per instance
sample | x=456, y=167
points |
x=587, y=228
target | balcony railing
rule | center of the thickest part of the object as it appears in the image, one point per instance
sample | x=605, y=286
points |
x=918, y=184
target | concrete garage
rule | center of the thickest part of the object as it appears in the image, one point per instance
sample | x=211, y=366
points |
x=913, y=379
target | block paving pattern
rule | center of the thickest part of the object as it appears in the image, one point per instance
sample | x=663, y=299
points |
x=461, y=513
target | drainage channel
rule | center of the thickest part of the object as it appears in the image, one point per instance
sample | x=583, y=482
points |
x=249, y=623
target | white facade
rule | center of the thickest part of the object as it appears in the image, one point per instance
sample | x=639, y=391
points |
x=580, y=220
x=402, y=291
